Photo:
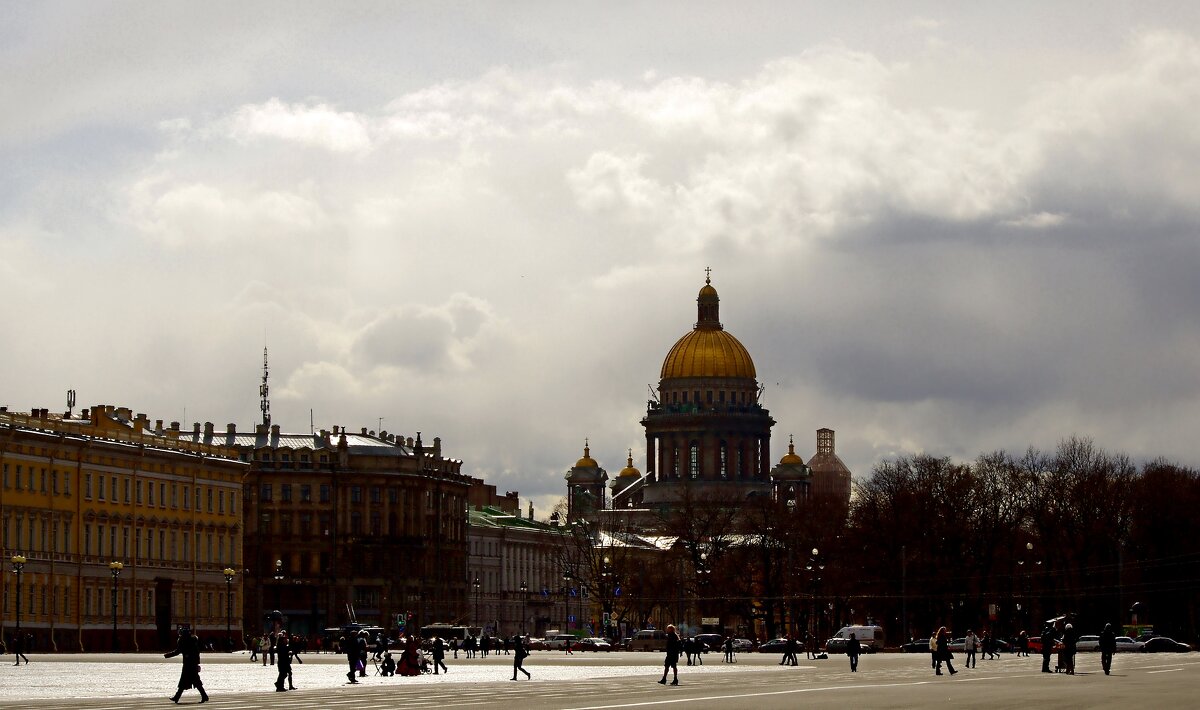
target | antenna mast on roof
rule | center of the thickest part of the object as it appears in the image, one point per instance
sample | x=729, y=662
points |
x=263, y=391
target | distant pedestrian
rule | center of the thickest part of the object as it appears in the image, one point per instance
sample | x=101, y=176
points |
x=729, y=650
x=1047, y=647
x=363, y=651
x=388, y=666
x=283, y=665
x=943, y=652
x=789, y=652
x=519, y=658
x=1108, y=646
x=970, y=645
x=18, y=649
x=853, y=649
x=454, y=647
x=264, y=645
x=254, y=649
x=439, y=655
x=350, y=648
x=188, y=647
x=1067, y=657
x=671, y=662
x=1023, y=644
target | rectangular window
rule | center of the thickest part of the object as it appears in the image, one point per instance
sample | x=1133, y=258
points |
x=209, y=496
x=393, y=495
x=196, y=498
x=285, y=524
x=113, y=483
x=355, y=494
x=138, y=492
x=325, y=490
x=186, y=491
x=150, y=493
x=220, y=503
x=305, y=524
x=87, y=486
x=305, y=493
x=66, y=483
x=232, y=504
x=102, y=488
x=54, y=482
x=376, y=494
x=285, y=492
x=125, y=485
x=265, y=492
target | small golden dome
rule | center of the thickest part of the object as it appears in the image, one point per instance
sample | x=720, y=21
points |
x=790, y=457
x=587, y=461
x=629, y=470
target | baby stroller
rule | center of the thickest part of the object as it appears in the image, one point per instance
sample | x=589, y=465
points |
x=423, y=663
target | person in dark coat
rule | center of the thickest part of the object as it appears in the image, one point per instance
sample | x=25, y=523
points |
x=388, y=666
x=189, y=648
x=1070, y=639
x=283, y=663
x=853, y=649
x=671, y=662
x=18, y=649
x=1047, y=647
x=439, y=655
x=789, y=652
x=1108, y=646
x=350, y=648
x=363, y=651
x=943, y=652
x=520, y=652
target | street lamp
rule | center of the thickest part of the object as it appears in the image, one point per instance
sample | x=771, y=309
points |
x=567, y=576
x=229, y=572
x=524, y=604
x=702, y=577
x=476, y=585
x=115, y=569
x=18, y=564
x=815, y=566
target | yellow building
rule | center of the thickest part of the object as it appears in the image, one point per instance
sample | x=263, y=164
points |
x=120, y=529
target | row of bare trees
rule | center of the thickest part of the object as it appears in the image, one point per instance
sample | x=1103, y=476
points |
x=1000, y=543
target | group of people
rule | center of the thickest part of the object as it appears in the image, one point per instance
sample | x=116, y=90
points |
x=986, y=646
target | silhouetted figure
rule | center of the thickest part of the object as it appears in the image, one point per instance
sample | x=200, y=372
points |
x=943, y=654
x=189, y=648
x=671, y=662
x=283, y=653
x=1108, y=646
x=520, y=652
x=18, y=649
x=853, y=649
x=439, y=656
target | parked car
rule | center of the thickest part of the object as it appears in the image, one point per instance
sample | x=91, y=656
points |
x=916, y=646
x=712, y=642
x=1087, y=643
x=1125, y=644
x=592, y=643
x=1162, y=644
x=559, y=642
x=743, y=645
x=773, y=646
x=536, y=644
x=838, y=645
x=649, y=640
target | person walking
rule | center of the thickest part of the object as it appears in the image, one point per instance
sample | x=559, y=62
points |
x=188, y=647
x=1070, y=639
x=362, y=646
x=1108, y=646
x=671, y=662
x=18, y=649
x=283, y=663
x=943, y=652
x=519, y=654
x=454, y=647
x=1023, y=644
x=1047, y=647
x=350, y=648
x=789, y=652
x=264, y=645
x=439, y=655
x=970, y=645
x=729, y=650
x=853, y=649
x=254, y=649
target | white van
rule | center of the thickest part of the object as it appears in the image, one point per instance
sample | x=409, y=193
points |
x=869, y=637
x=649, y=640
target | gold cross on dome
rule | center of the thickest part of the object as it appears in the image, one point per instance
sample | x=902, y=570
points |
x=707, y=275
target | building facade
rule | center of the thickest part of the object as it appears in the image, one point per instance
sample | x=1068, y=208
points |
x=518, y=564
x=122, y=530
x=348, y=526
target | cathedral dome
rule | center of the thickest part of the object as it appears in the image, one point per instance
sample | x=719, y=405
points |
x=587, y=461
x=708, y=351
x=791, y=457
x=630, y=471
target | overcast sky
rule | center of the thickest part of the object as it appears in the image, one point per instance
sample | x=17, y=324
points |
x=948, y=227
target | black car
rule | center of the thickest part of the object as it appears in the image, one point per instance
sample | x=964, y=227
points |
x=1162, y=644
x=916, y=646
x=774, y=646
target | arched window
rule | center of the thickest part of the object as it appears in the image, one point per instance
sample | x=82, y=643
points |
x=723, y=462
x=694, y=460
x=675, y=464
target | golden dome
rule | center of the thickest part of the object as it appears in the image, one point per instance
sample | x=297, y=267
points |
x=708, y=351
x=587, y=461
x=629, y=470
x=790, y=457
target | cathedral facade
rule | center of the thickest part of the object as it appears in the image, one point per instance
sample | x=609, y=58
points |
x=708, y=437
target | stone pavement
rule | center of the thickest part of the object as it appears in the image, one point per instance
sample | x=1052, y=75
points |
x=606, y=682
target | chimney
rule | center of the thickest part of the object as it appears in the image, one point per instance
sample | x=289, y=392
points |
x=158, y=427
x=208, y=431
x=275, y=431
x=84, y=415
x=260, y=429
x=230, y=429
x=364, y=431
x=437, y=447
x=174, y=426
x=141, y=422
